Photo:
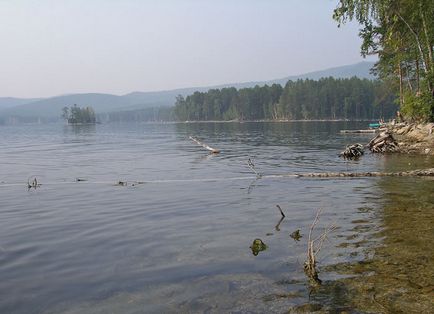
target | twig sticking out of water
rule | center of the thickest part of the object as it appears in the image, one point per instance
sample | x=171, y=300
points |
x=314, y=246
x=277, y=227
x=212, y=150
x=252, y=167
x=281, y=211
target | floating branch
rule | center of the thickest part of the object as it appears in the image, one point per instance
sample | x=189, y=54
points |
x=252, y=167
x=212, y=150
x=413, y=173
x=360, y=131
x=314, y=246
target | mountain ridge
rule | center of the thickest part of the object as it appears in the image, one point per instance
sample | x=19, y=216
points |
x=101, y=102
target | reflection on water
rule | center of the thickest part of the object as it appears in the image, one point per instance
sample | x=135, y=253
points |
x=73, y=246
x=79, y=129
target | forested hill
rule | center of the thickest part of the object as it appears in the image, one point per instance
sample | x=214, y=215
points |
x=327, y=98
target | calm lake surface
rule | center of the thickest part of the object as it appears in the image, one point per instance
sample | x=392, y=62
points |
x=176, y=237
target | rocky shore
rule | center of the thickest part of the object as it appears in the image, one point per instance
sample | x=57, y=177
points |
x=413, y=138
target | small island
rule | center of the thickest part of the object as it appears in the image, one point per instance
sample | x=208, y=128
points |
x=76, y=115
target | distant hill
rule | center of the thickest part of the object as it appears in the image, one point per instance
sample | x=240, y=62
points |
x=50, y=107
x=361, y=70
x=104, y=103
x=9, y=102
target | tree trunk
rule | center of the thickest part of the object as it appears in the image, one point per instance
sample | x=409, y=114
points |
x=418, y=43
x=417, y=76
x=401, y=87
x=428, y=43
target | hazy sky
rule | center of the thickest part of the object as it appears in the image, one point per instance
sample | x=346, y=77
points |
x=118, y=46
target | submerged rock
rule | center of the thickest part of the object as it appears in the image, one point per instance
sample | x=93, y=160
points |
x=296, y=235
x=258, y=246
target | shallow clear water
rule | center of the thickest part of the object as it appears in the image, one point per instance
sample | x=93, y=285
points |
x=176, y=237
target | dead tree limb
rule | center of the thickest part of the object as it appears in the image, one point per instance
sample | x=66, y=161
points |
x=252, y=167
x=281, y=211
x=212, y=150
x=277, y=227
x=383, y=143
x=412, y=173
x=314, y=246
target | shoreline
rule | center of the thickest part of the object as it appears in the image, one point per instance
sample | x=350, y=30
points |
x=413, y=138
x=276, y=121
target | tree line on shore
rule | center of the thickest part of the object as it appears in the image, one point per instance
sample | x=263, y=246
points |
x=327, y=98
x=139, y=115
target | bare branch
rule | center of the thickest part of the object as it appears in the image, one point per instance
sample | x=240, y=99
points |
x=212, y=150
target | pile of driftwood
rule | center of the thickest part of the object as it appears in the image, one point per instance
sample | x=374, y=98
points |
x=353, y=151
x=383, y=143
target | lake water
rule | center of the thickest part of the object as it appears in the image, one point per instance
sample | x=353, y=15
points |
x=175, y=236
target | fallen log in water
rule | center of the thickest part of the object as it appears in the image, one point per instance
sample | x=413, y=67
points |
x=360, y=131
x=212, y=150
x=412, y=173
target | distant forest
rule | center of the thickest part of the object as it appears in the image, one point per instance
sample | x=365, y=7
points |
x=327, y=98
x=139, y=115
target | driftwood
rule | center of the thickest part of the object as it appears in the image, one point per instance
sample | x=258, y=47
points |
x=383, y=143
x=413, y=173
x=360, y=131
x=353, y=151
x=212, y=150
x=252, y=167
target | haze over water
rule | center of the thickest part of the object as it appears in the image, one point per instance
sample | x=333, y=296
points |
x=176, y=237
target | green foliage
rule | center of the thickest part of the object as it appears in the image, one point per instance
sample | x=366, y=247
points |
x=418, y=107
x=401, y=32
x=327, y=98
x=75, y=115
